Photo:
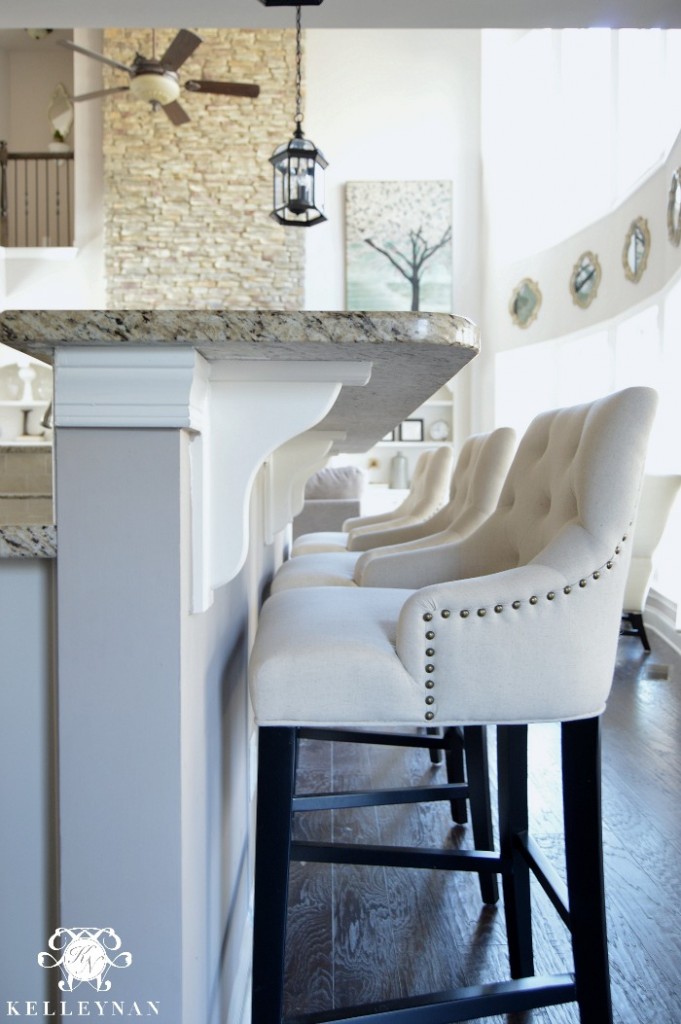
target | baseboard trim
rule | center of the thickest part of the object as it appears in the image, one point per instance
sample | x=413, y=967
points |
x=660, y=617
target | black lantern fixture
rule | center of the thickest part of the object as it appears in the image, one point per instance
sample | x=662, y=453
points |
x=298, y=168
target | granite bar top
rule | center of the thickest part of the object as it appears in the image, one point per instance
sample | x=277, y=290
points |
x=245, y=334
x=412, y=354
x=28, y=541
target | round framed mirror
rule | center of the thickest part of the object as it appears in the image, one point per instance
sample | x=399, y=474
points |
x=525, y=302
x=585, y=279
x=636, y=249
x=674, y=208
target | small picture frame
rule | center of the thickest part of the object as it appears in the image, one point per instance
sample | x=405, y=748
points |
x=411, y=430
x=390, y=436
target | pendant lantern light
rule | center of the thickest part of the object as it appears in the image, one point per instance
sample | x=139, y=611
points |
x=298, y=167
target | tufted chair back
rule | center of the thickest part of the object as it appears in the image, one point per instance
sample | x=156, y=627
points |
x=475, y=481
x=405, y=507
x=475, y=487
x=546, y=572
x=430, y=494
x=564, y=479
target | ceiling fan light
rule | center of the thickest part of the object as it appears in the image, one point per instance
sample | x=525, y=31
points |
x=155, y=88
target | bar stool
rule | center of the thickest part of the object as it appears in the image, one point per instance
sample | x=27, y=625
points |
x=523, y=628
x=474, y=490
x=428, y=494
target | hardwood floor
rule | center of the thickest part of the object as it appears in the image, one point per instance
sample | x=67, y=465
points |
x=359, y=934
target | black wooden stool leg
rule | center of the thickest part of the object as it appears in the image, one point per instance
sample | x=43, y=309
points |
x=513, y=821
x=584, y=864
x=276, y=780
x=435, y=752
x=454, y=757
x=477, y=772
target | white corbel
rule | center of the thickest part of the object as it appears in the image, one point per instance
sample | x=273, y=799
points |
x=289, y=468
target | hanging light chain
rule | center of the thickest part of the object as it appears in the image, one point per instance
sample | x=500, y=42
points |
x=299, y=73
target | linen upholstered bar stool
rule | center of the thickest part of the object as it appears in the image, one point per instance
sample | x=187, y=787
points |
x=430, y=494
x=657, y=498
x=474, y=490
x=523, y=630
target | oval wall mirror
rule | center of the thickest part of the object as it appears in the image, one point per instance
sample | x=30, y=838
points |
x=636, y=249
x=674, y=208
x=585, y=279
x=525, y=302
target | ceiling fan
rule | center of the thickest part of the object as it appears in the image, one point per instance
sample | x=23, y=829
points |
x=157, y=81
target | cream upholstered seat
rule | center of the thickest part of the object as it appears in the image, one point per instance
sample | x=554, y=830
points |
x=474, y=491
x=428, y=494
x=521, y=626
x=657, y=498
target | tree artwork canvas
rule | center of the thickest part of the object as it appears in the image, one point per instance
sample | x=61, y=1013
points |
x=399, y=245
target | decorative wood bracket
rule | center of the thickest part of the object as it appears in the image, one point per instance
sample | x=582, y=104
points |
x=240, y=412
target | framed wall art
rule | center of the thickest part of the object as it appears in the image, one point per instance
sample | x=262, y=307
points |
x=674, y=208
x=411, y=430
x=636, y=249
x=525, y=302
x=585, y=279
x=399, y=245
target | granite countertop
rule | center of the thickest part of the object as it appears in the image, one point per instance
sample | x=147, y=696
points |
x=28, y=541
x=412, y=354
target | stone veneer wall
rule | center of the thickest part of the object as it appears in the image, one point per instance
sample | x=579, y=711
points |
x=187, y=208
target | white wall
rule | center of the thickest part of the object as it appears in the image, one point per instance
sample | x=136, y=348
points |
x=393, y=105
x=396, y=105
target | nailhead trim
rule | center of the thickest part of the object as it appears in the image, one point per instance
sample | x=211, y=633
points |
x=498, y=608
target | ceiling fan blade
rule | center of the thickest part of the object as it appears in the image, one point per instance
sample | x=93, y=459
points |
x=182, y=47
x=177, y=114
x=96, y=56
x=100, y=92
x=222, y=88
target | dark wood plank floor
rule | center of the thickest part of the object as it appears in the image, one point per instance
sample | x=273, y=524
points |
x=358, y=934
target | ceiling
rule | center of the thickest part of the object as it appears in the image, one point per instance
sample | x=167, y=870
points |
x=345, y=14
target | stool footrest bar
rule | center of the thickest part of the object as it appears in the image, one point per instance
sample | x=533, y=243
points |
x=398, y=856
x=454, y=1005
x=379, y=797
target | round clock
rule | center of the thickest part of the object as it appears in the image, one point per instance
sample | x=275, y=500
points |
x=439, y=430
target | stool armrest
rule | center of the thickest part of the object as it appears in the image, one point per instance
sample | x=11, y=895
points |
x=412, y=569
x=513, y=646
